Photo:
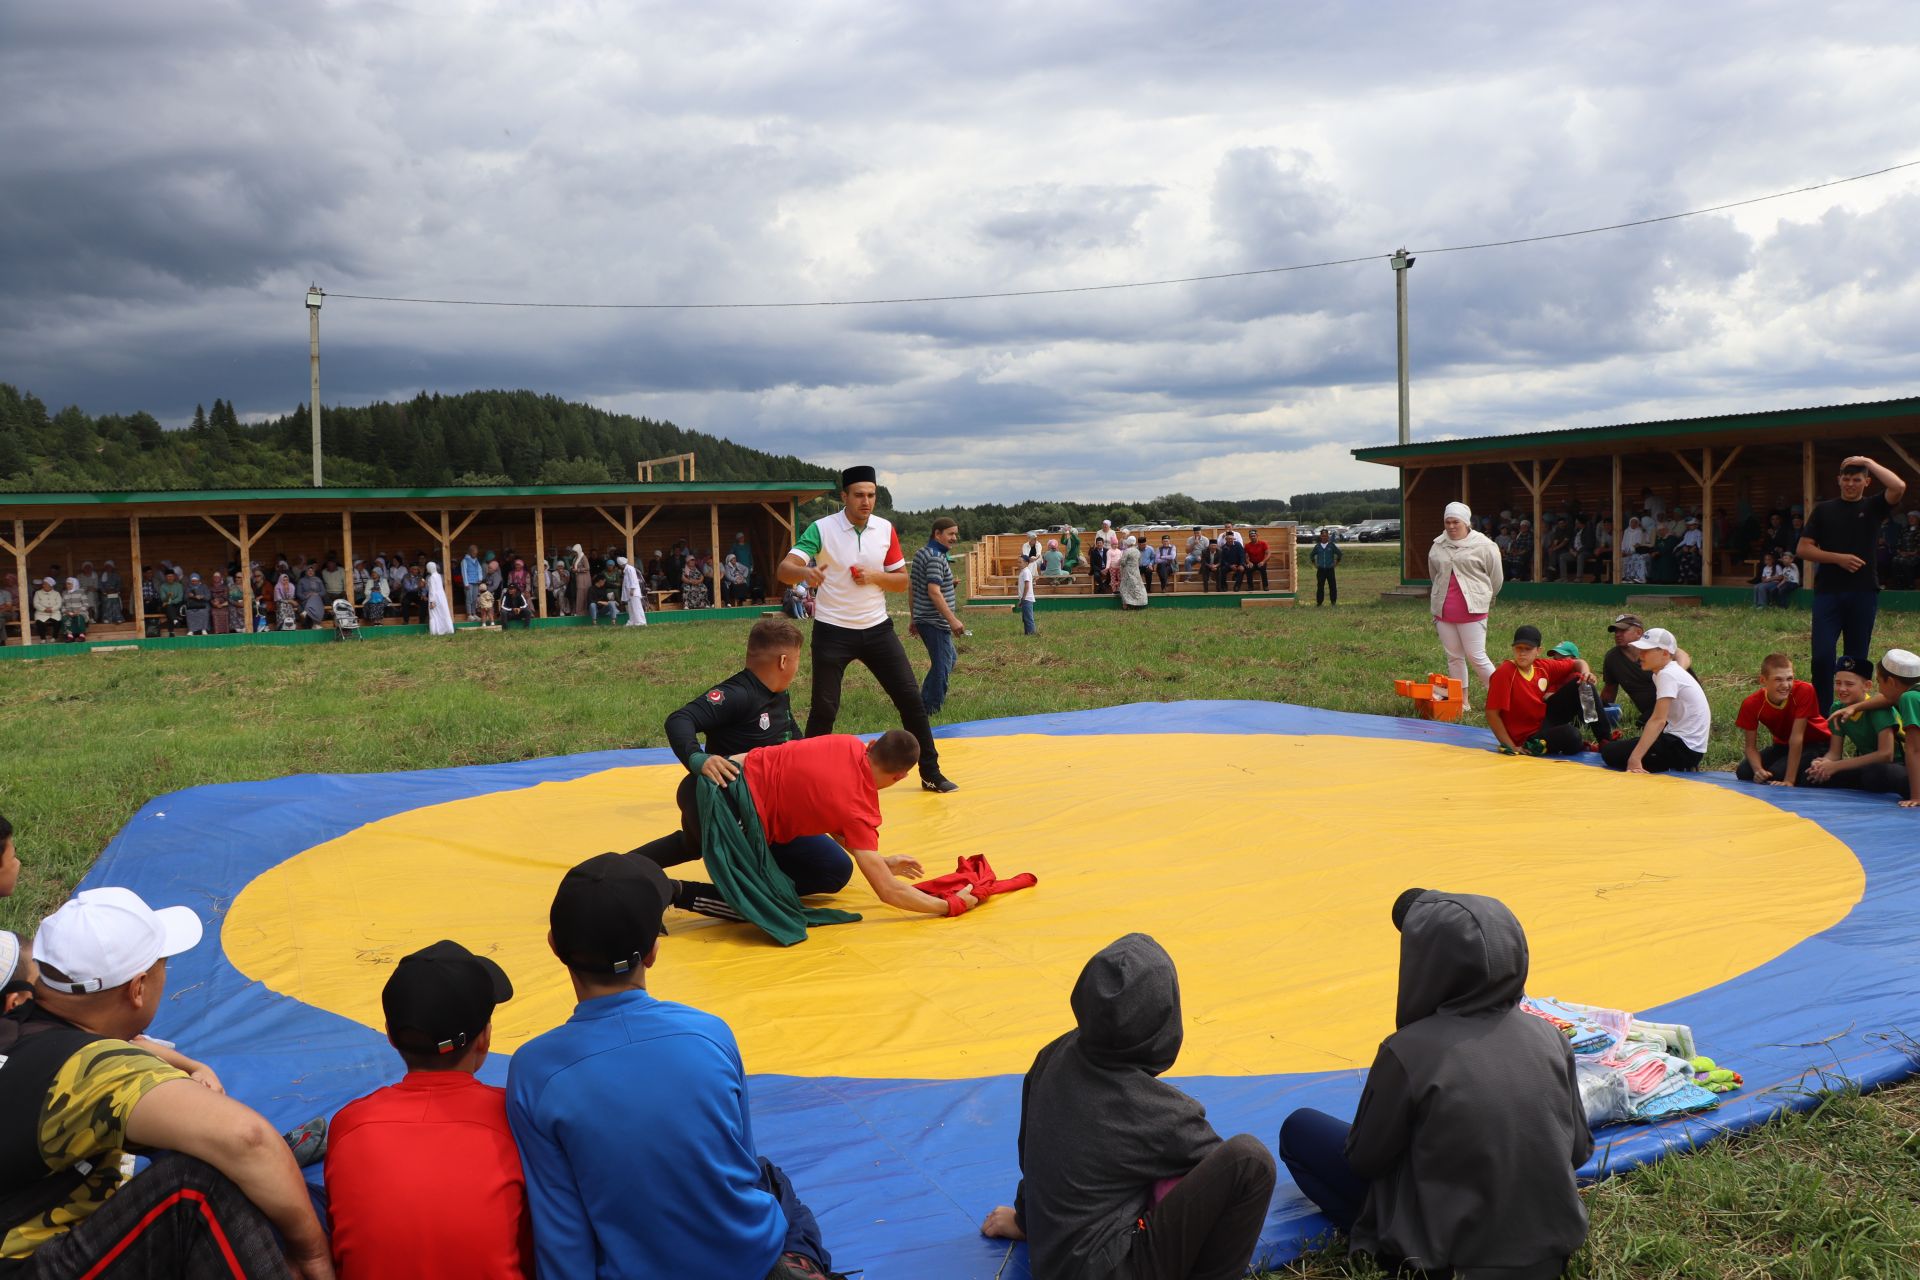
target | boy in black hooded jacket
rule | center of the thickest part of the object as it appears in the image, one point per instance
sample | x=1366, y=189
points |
x=1099, y=1133
x=1463, y=1151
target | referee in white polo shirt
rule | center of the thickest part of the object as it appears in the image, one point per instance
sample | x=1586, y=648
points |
x=851, y=560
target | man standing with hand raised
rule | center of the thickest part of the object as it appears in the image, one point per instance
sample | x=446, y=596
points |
x=850, y=560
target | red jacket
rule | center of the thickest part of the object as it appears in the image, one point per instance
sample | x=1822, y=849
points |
x=973, y=873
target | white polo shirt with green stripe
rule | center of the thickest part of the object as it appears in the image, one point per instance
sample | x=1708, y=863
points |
x=838, y=546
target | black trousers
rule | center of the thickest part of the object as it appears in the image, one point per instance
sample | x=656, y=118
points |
x=1666, y=754
x=1208, y=1225
x=1563, y=729
x=179, y=1218
x=1775, y=760
x=815, y=864
x=877, y=648
x=1326, y=582
x=1260, y=569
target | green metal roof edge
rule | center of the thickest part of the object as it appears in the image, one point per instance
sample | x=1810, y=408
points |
x=131, y=496
x=1641, y=430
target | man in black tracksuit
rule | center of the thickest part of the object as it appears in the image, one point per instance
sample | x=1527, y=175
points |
x=746, y=710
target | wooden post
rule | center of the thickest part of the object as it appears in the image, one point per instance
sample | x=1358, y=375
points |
x=446, y=556
x=346, y=540
x=139, y=580
x=714, y=556
x=540, y=554
x=24, y=603
x=246, y=577
x=1806, y=483
x=1466, y=487
x=628, y=529
x=1706, y=516
x=1619, y=518
x=1539, y=513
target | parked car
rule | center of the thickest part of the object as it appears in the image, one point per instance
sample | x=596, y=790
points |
x=1377, y=531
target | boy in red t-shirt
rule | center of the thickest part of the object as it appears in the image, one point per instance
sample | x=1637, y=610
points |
x=1791, y=713
x=1533, y=702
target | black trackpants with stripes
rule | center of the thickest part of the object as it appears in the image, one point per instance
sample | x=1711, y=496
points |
x=180, y=1218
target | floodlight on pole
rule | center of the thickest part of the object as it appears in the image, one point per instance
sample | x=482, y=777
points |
x=315, y=296
x=1401, y=264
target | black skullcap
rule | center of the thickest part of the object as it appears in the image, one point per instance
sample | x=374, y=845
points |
x=857, y=475
x=1402, y=905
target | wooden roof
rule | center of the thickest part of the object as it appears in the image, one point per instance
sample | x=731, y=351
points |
x=292, y=498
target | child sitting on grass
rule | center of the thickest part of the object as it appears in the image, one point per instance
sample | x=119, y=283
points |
x=1676, y=732
x=1787, y=708
x=1121, y=1175
x=1875, y=764
x=1533, y=700
x=1463, y=1151
x=1899, y=681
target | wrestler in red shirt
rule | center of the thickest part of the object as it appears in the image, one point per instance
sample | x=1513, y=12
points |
x=1791, y=713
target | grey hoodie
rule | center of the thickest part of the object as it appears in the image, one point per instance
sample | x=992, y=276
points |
x=1097, y=1128
x=1471, y=1125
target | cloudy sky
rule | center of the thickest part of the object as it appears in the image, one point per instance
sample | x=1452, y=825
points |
x=172, y=175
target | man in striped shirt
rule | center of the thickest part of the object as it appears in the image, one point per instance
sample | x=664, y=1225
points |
x=850, y=560
x=934, y=593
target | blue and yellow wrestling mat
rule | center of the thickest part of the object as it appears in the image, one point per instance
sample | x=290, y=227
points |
x=1261, y=843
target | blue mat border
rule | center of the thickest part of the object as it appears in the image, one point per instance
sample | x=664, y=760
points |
x=940, y=1153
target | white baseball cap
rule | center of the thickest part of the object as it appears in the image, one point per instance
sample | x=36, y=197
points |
x=102, y=938
x=1658, y=638
x=9, y=957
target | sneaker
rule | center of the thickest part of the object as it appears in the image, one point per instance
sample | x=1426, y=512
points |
x=798, y=1266
x=939, y=783
x=309, y=1142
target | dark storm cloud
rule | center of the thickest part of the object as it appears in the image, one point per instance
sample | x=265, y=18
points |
x=172, y=175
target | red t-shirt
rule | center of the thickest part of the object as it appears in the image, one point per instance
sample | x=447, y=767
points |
x=1759, y=710
x=1522, y=704
x=1257, y=551
x=424, y=1183
x=816, y=787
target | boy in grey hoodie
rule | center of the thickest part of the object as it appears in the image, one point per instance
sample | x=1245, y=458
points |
x=1463, y=1151
x=1099, y=1133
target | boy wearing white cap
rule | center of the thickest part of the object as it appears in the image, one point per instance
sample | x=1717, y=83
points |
x=1899, y=679
x=76, y=1095
x=1675, y=734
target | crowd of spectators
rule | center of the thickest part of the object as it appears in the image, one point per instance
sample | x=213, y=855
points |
x=293, y=592
x=1228, y=561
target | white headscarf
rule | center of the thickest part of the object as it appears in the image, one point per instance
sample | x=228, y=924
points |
x=1462, y=512
x=1132, y=541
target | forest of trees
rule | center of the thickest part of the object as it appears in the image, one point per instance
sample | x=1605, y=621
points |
x=498, y=438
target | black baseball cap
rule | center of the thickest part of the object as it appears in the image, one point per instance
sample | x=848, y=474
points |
x=1528, y=634
x=606, y=913
x=441, y=997
x=1862, y=667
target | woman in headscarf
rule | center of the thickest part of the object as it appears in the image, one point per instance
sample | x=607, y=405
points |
x=313, y=595
x=582, y=572
x=439, y=612
x=285, y=612
x=1464, y=566
x=632, y=594
x=217, y=591
x=75, y=606
x=199, y=610
x=112, y=594
x=517, y=577
x=1133, y=591
x=693, y=585
x=46, y=610
x=1633, y=552
x=90, y=584
x=733, y=580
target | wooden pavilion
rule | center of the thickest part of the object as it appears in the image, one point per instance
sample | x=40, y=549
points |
x=208, y=529
x=1727, y=467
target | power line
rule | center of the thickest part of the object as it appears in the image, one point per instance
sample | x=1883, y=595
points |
x=1129, y=284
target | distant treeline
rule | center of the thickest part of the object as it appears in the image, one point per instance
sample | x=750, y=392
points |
x=500, y=438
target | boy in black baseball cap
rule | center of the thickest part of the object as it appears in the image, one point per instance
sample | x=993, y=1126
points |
x=626, y=1064
x=422, y=1176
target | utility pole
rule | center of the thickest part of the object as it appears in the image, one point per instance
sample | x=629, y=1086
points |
x=315, y=297
x=1400, y=263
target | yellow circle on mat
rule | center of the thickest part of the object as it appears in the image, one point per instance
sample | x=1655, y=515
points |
x=1265, y=864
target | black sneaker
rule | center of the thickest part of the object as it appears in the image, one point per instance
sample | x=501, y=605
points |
x=940, y=783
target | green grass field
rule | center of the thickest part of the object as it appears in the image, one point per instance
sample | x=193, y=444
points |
x=86, y=740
